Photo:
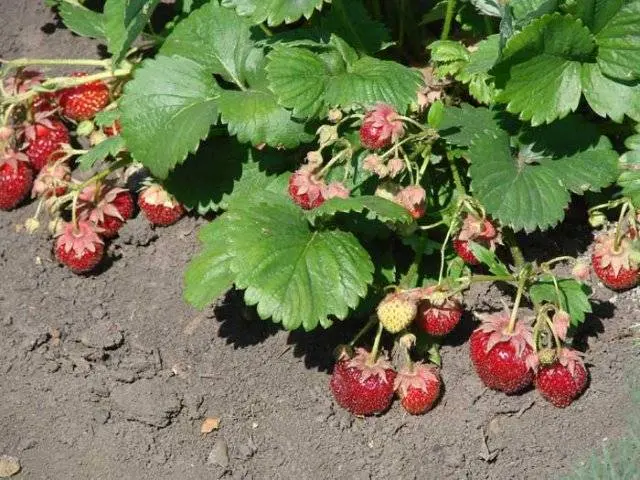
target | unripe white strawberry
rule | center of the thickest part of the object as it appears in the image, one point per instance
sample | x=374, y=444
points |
x=396, y=312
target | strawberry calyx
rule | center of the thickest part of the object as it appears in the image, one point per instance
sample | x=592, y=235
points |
x=155, y=194
x=498, y=326
x=79, y=238
x=52, y=180
x=11, y=158
x=475, y=228
x=362, y=361
x=622, y=256
x=417, y=376
x=98, y=202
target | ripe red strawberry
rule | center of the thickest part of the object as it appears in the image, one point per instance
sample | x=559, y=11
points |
x=83, y=101
x=418, y=388
x=106, y=207
x=381, y=127
x=360, y=387
x=16, y=178
x=504, y=361
x=45, y=140
x=438, y=314
x=617, y=268
x=159, y=206
x=478, y=230
x=52, y=181
x=564, y=380
x=79, y=247
x=305, y=190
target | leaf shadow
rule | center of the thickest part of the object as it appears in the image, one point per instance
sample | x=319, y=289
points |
x=593, y=325
x=240, y=324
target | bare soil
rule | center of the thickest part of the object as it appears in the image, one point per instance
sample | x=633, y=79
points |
x=110, y=376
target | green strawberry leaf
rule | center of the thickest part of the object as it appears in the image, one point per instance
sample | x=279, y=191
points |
x=304, y=81
x=459, y=126
x=295, y=276
x=531, y=189
x=629, y=179
x=618, y=39
x=609, y=98
x=223, y=172
x=220, y=41
x=208, y=275
x=275, y=12
x=370, y=80
x=106, y=118
x=254, y=116
x=377, y=208
x=540, y=69
x=124, y=20
x=490, y=259
x=299, y=78
x=80, y=20
x=573, y=296
x=216, y=38
x=350, y=20
x=109, y=147
x=166, y=110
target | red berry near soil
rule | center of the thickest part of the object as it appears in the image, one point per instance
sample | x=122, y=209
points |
x=159, y=206
x=381, y=127
x=106, y=207
x=305, y=190
x=564, y=380
x=16, y=179
x=79, y=247
x=83, y=101
x=418, y=388
x=361, y=388
x=52, y=181
x=503, y=360
x=617, y=268
x=45, y=141
x=438, y=315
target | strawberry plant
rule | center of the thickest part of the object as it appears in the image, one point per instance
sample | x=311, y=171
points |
x=358, y=160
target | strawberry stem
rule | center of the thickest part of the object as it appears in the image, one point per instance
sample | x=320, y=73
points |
x=457, y=179
x=516, y=303
x=443, y=248
x=372, y=321
x=57, y=83
x=448, y=19
x=514, y=249
x=24, y=62
x=618, y=238
x=373, y=356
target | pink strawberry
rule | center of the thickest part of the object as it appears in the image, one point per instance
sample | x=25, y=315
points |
x=79, y=247
x=24, y=81
x=502, y=359
x=82, y=102
x=106, y=207
x=381, y=127
x=478, y=230
x=159, y=206
x=305, y=189
x=52, y=181
x=439, y=314
x=418, y=388
x=16, y=178
x=412, y=198
x=45, y=140
x=564, y=380
x=617, y=267
x=361, y=386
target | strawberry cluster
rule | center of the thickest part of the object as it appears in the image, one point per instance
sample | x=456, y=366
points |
x=36, y=158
